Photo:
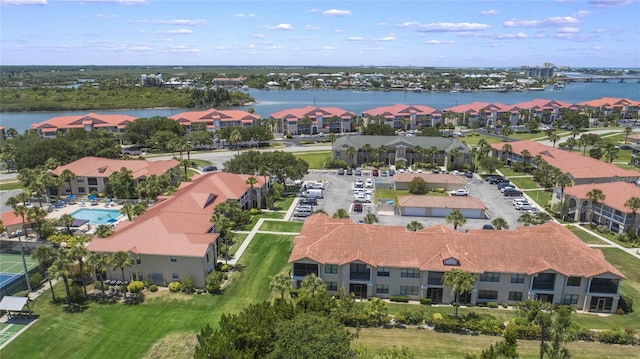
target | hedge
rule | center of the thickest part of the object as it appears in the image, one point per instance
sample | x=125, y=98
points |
x=399, y=298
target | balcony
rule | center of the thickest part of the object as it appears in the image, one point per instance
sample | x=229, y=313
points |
x=363, y=276
x=543, y=285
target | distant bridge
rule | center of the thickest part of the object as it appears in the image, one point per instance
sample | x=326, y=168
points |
x=601, y=79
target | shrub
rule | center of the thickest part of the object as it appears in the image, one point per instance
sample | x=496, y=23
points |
x=146, y=283
x=224, y=268
x=425, y=301
x=187, y=285
x=492, y=304
x=616, y=336
x=331, y=163
x=505, y=305
x=153, y=288
x=175, y=286
x=136, y=286
x=399, y=298
x=255, y=211
x=214, y=282
x=418, y=186
x=440, y=190
x=289, y=135
x=35, y=280
x=437, y=316
x=625, y=304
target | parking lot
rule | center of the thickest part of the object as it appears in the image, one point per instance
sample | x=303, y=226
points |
x=338, y=194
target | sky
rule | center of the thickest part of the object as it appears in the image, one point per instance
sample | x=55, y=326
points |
x=577, y=33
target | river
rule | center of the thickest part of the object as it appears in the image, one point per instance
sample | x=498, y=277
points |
x=268, y=102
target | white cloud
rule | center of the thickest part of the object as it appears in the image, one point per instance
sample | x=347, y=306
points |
x=280, y=27
x=599, y=30
x=608, y=3
x=444, y=26
x=252, y=46
x=568, y=29
x=519, y=35
x=141, y=48
x=176, y=32
x=540, y=36
x=259, y=36
x=439, y=42
x=311, y=28
x=315, y=10
x=120, y=2
x=383, y=24
x=179, y=22
x=386, y=38
x=336, y=12
x=489, y=12
x=244, y=15
x=23, y=2
x=597, y=48
x=548, y=22
x=181, y=49
x=355, y=38
x=337, y=31
x=329, y=48
x=581, y=13
x=105, y=16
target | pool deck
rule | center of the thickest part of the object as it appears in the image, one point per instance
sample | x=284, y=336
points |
x=70, y=208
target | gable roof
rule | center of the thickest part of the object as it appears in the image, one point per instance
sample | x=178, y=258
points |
x=542, y=104
x=104, y=167
x=475, y=107
x=209, y=117
x=572, y=163
x=80, y=121
x=330, y=240
x=313, y=113
x=180, y=224
x=400, y=110
x=609, y=102
x=442, y=143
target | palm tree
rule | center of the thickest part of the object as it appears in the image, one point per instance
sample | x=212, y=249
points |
x=61, y=268
x=251, y=181
x=67, y=220
x=610, y=151
x=45, y=256
x=526, y=219
x=120, y=260
x=341, y=213
x=460, y=282
x=67, y=175
x=382, y=151
x=414, y=226
x=633, y=203
x=235, y=138
x=627, y=132
x=500, y=223
x=281, y=283
x=98, y=261
x=127, y=210
x=22, y=211
x=366, y=148
x=594, y=196
x=434, y=151
x=312, y=285
x=456, y=218
x=506, y=131
x=370, y=218
x=506, y=150
x=554, y=137
x=542, y=217
x=563, y=181
x=77, y=253
x=351, y=151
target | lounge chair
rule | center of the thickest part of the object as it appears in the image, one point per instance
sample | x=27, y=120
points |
x=82, y=203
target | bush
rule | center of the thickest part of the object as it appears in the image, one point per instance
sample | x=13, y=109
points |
x=331, y=163
x=425, y=301
x=175, y=287
x=136, y=286
x=35, y=280
x=153, y=288
x=214, y=282
x=255, y=211
x=616, y=336
x=399, y=298
x=625, y=304
x=440, y=190
x=187, y=285
x=418, y=186
x=224, y=268
x=505, y=305
x=492, y=304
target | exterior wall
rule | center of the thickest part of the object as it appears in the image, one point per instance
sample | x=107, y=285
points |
x=503, y=286
x=616, y=220
x=195, y=267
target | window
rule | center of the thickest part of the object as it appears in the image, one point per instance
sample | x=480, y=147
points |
x=574, y=281
x=207, y=257
x=174, y=275
x=517, y=278
x=174, y=259
x=410, y=273
x=359, y=271
x=544, y=281
x=138, y=260
x=435, y=278
x=570, y=299
x=490, y=277
x=79, y=179
x=409, y=290
x=332, y=286
x=515, y=296
x=81, y=190
x=487, y=294
x=383, y=271
x=382, y=288
x=92, y=181
x=331, y=268
x=304, y=269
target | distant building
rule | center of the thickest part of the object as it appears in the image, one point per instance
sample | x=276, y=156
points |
x=61, y=124
x=228, y=81
x=212, y=119
x=405, y=117
x=312, y=120
x=540, y=72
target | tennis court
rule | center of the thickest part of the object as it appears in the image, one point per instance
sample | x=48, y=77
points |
x=12, y=278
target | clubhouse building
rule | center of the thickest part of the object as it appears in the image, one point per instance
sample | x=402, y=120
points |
x=545, y=262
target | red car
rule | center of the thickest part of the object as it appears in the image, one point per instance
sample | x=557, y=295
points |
x=374, y=173
x=357, y=206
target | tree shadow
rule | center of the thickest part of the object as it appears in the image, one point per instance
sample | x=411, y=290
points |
x=76, y=308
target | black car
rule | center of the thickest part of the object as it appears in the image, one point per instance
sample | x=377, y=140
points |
x=341, y=171
x=469, y=174
x=309, y=201
x=511, y=192
x=487, y=226
x=349, y=172
x=209, y=168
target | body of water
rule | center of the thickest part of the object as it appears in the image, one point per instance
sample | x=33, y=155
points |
x=270, y=101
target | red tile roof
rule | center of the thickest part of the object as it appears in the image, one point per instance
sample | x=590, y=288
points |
x=572, y=163
x=542, y=104
x=528, y=250
x=312, y=112
x=178, y=225
x=616, y=193
x=609, y=102
x=400, y=110
x=10, y=219
x=454, y=202
x=80, y=121
x=477, y=106
x=104, y=167
x=209, y=116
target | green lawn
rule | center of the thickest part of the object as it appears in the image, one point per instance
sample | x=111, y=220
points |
x=315, y=159
x=238, y=238
x=283, y=204
x=279, y=226
x=254, y=219
x=525, y=182
x=394, y=193
x=612, y=237
x=541, y=197
x=7, y=186
x=507, y=171
x=627, y=166
x=130, y=331
x=586, y=237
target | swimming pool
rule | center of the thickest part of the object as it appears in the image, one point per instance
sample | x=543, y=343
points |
x=97, y=216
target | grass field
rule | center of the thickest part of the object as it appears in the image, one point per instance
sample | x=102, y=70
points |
x=238, y=238
x=586, y=237
x=254, y=219
x=315, y=159
x=542, y=198
x=130, y=331
x=283, y=204
x=524, y=182
x=11, y=185
x=278, y=226
x=472, y=141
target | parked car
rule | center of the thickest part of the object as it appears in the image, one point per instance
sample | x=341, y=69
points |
x=505, y=188
x=384, y=173
x=493, y=179
x=520, y=200
x=303, y=211
x=357, y=206
x=392, y=172
x=523, y=207
x=349, y=172
x=357, y=172
x=374, y=172
x=459, y=192
x=512, y=192
x=469, y=174
x=341, y=171
x=309, y=201
x=487, y=226
x=209, y=168
x=502, y=185
x=368, y=183
x=358, y=183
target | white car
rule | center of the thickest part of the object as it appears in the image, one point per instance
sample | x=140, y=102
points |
x=368, y=183
x=297, y=182
x=523, y=207
x=459, y=192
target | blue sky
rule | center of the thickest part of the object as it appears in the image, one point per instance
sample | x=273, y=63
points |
x=595, y=33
